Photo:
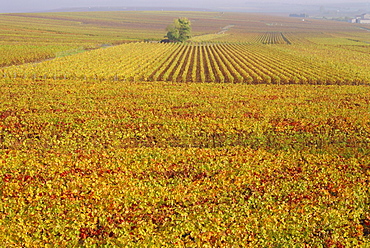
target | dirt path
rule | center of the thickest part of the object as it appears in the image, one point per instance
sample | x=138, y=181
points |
x=225, y=29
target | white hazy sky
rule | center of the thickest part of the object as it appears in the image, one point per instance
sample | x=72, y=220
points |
x=35, y=5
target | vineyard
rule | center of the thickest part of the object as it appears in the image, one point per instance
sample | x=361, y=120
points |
x=17, y=55
x=255, y=133
x=205, y=62
x=163, y=164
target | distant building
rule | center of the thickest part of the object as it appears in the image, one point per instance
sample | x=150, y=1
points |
x=363, y=19
x=364, y=16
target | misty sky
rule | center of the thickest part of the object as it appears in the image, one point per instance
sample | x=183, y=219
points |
x=39, y=5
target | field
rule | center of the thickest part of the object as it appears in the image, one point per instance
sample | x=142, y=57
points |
x=223, y=49
x=254, y=134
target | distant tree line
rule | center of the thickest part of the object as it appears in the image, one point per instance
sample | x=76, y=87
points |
x=299, y=15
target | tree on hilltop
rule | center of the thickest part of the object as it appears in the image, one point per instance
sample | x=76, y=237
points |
x=179, y=30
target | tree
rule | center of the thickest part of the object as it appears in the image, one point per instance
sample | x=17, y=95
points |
x=179, y=30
